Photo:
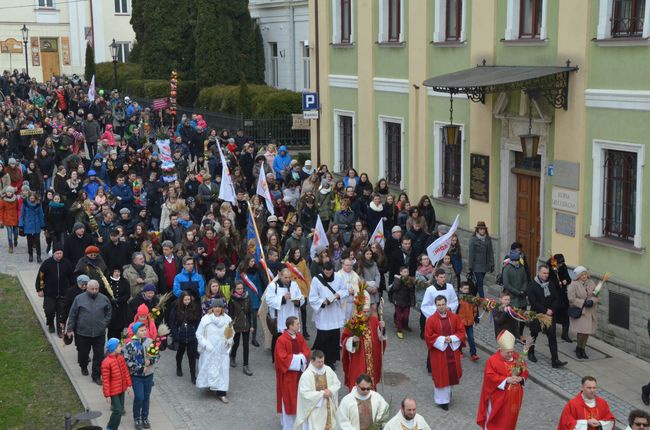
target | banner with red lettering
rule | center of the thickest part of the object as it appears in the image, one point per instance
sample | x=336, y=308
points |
x=438, y=249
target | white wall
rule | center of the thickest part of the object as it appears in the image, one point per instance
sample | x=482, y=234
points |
x=275, y=24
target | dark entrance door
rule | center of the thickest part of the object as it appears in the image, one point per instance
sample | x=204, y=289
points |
x=528, y=216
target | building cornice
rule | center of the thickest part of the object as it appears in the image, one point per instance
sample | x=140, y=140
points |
x=618, y=99
x=343, y=81
x=391, y=85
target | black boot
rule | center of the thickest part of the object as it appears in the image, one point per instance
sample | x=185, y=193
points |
x=38, y=258
x=31, y=258
x=179, y=370
x=556, y=364
x=254, y=341
x=233, y=363
x=531, y=355
x=584, y=353
x=579, y=353
x=565, y=334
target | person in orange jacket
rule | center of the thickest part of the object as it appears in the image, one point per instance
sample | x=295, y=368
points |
x=9, y=214
x=467, y=313
x=116, y=381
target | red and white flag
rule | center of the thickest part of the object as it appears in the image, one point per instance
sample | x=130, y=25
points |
x=378, y=234
x=438, y=249
x=319, y=239
x=263, y=190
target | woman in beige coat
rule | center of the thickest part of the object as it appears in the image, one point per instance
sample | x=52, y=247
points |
x=581, y=295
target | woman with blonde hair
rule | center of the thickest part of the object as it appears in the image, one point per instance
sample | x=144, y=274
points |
x=269, y=155
x=148, y=252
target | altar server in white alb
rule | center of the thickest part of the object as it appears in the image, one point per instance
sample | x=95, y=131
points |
x=326, y=293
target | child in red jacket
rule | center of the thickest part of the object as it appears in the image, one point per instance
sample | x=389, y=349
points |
x=116, y=381
x=9, y=214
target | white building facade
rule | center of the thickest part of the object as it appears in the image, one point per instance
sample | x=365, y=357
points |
x=285, y=31
x=58, y=31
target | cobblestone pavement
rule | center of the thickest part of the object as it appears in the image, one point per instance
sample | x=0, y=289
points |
x=253, y=398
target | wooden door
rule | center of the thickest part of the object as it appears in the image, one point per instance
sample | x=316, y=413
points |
x=528, y=218
x=50, y=64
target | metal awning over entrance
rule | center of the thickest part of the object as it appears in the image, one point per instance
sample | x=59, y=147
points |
x=550, y=82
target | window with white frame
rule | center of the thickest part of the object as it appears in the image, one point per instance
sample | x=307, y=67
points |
x=526, y=19
x=342, y=33
x=449, y=166
x=391, y=157
x=344, y=124
x=620, y=19
x=391, y=21
x=46, y=3
x=617, y=191
x=449, y=21
x=122, y=6
x=123, y=49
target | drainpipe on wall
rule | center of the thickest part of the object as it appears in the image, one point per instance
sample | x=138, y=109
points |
x=317, y=54
x=293, y=48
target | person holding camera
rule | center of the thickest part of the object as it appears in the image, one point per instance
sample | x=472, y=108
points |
x=581, y=296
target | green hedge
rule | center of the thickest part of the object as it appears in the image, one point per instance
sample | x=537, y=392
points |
x=267, y=101
x=125, y=72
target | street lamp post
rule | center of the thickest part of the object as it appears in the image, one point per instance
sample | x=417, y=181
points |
x=25, y=32
x=114, y=55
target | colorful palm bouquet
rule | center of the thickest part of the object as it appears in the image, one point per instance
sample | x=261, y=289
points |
x=521, y=315
x=520, y=363
x=153, y=350
x=358, y=322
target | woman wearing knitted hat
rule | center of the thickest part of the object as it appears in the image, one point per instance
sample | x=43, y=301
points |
x=215, y=337
x=140, y=355
x=116, y=378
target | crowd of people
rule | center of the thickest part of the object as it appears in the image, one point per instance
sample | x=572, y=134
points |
x=144, y=250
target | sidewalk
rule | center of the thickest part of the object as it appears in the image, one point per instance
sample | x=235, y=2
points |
x=620, y=375
x=90, y=394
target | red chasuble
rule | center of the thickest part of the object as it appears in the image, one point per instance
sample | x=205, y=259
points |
x=366, y=359
x=286, y=388
x=445, y=365
x=576, y=409
x=499, y=409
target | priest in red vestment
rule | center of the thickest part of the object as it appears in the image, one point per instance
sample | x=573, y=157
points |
x=587, y=410
x=503, y=387
x=364, y=355
x=291, y=359
x=444, y=332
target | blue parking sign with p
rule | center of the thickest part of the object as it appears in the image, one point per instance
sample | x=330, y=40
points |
x=309, y=101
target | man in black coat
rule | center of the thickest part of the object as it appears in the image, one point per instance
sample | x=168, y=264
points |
x=54, y=278
x=76, y=243
x=167, y=259
x=116, y=253
x=402, y=256
x=543, y=299
x=175, y=231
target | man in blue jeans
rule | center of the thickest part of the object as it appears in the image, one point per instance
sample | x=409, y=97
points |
x=140, y=365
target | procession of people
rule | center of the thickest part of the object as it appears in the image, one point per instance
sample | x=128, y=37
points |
x=170, y=235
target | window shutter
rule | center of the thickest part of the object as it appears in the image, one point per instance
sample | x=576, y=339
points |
x=383, y=21
x=336, y=21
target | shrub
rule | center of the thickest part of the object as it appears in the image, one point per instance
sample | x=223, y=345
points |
x=125, y=72
x=155, y=88
x=265, y=101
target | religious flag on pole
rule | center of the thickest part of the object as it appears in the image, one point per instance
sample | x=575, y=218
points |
x=91, y=90
x=438, y=249
x=254, y=244
x=252, y=240
x=320, y=237
x=263, y=190
x=378, y=234
x=227, y=189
